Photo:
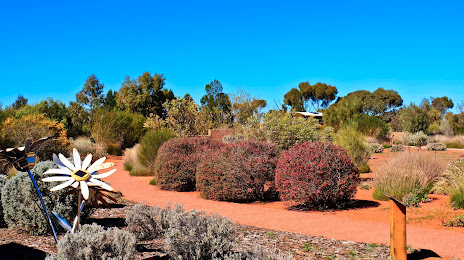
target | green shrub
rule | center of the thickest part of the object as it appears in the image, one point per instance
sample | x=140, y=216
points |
x=418, y=139
x=353, y=142
x=458, y=221
x=397, y=148
x=21, y=206
x=195, y=235
x=371, y=126
x=386, y=146
x=452, y=183
x=240, y=172
x=94, y=242
x=117, y=129
x=150, y=144
x=285, y=130
x=407, y=175
x=454, y=145
x=140, y=222
x=317, y=175
x=436, y=147
x=177, y=160
x=376, y=148
x=2, y=184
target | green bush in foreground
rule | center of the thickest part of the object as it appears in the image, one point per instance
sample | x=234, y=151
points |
x=149, y=146
x=452, y=183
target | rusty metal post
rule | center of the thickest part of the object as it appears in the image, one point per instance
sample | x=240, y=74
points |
x=397, y=230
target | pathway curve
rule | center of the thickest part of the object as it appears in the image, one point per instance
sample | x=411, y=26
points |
x=443, y=242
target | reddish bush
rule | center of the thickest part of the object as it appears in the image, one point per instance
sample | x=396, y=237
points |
x=317, y=175
x=241, y=172
x=177, y=160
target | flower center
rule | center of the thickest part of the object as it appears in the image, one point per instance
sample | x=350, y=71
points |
x=80, y=175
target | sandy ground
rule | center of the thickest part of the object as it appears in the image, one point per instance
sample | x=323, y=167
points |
x=367, y=222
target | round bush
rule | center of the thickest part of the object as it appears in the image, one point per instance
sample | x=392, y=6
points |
x=317, y=175
x=241, y=172
x=2, y=183
x=177, y=160
x=21, y=205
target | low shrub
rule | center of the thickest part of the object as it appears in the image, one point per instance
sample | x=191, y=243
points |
x=140, y=222
x=177, y=159
x=458, y=221
x=241, y=172
x=397, y=148
x=353, y=142
x=21, y=205
x=195, y=235
x=452, y=183
x=149, y=146
x=456, y=141
x=94, y=242
x=386, y=146
x=85, y=146
x=436, y=147
x=259, y=252
x=376, y=148
x=418, y=139
x=317, y=175
x=2, y=184
x=228, y=139
x=407, y=175
x=455, y=145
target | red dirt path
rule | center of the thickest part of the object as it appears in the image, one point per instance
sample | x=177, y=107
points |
x=341, y=225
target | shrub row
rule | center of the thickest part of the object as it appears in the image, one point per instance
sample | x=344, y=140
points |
x=315, y=174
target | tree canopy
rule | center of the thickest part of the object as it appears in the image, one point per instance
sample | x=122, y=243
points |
x=91, y=97
x=318, y=96
x=218, y=103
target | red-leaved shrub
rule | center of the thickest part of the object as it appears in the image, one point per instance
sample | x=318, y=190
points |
x=177, y=160
x=241, y=172
x=317, y=175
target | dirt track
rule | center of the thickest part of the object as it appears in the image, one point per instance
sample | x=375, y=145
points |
x=443, y=242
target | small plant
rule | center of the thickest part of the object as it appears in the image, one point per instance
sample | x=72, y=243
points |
x=272, y=235
x=415, y=197
x=376, y=148
x=94, y=242
x=397, y=148
x=457, y=198
x=373, y=245
x=195, y=235
x=317, y=175
x=386, y=146
x=458, y=221
x=365, y=187
x=436, y=147
x=452, y=183
x=308, y=248
x=141, y=223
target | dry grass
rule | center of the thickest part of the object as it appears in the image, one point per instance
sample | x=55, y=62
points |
x=406, y=173
x=132, y=164
x=456, y=141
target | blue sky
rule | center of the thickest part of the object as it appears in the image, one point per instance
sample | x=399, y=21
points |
x=49, y=48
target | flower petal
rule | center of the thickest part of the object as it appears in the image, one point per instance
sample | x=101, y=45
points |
x=101, y=184
x=62, y=185
x=104, y=175
x=58, y=162
x=75, y=185
x=57, y=178
x=96, y=164
x=87, y=161
x=77, y=159
x=59, y=171
x=84, y=190
x=66, y=162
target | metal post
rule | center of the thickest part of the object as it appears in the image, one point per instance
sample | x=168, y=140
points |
x=43, y=205
x=397, y=230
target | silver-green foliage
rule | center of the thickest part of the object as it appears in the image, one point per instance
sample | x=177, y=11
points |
x=285, y=130
x=140, y=221
x=195, y=235
x=21, y=205
x=93, y=242
x=259, y=253
x=2, y=184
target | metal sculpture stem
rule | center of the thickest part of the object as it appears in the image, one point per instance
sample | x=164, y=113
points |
x=79, y=211
x=43, y=205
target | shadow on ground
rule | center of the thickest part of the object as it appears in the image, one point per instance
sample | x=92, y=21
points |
x=422, y=254
x=108, y=222
x=13, y=251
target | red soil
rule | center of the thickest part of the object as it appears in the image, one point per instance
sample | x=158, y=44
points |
x=367, y=222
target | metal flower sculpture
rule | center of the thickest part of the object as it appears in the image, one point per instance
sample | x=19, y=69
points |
x=81, y=176
x=23, y=159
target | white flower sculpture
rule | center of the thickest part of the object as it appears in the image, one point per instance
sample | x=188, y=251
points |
x=78, y=175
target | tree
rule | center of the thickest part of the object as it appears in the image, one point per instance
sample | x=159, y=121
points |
x=144, y=95
x=244, y=106
x=318, y=95
x=346, y=109
x=442, y=104
x=218, y=103
x=20, y=102
x=110, y=100
x=80, y=120
x=379, y=102
x=91, y=97
x=294, y=99
x=414, y=118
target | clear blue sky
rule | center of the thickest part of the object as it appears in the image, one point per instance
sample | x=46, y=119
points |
x=49, y=48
